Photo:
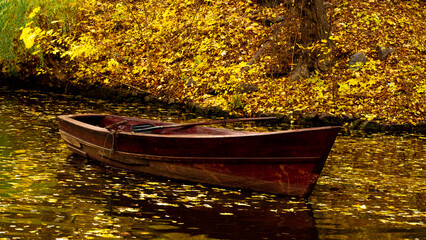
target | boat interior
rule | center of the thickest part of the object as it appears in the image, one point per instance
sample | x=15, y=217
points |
x=125, y=124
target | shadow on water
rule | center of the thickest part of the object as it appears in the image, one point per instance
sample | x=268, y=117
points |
x=155, y=208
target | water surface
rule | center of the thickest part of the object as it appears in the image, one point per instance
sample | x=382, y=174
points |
x=372, y=187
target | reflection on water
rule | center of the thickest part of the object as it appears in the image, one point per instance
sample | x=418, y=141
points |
x=371, y=188
x=132, y=205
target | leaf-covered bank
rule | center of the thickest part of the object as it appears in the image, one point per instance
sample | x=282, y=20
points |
x=201, y=51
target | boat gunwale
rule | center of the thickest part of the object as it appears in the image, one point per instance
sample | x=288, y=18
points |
x=71, y=118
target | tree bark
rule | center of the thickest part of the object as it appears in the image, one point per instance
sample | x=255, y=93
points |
x=314, y=45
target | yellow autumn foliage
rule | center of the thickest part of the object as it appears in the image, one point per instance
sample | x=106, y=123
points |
x=199, y=51
x=28, y=36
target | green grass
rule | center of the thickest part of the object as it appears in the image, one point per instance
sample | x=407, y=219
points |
x=12, y=17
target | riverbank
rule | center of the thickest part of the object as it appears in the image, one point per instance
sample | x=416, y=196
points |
x=200, y=59
x=349, y=123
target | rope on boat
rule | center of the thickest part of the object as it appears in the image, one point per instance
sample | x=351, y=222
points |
x=113, y=129
x=112, y=134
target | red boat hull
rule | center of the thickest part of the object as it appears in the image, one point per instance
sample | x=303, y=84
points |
x=284, y=162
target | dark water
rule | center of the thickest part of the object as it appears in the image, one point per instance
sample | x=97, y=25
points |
x=372, y=187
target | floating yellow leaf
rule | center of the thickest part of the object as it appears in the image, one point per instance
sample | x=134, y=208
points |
x=226, y=214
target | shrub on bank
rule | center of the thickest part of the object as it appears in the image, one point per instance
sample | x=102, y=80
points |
x=42, y=15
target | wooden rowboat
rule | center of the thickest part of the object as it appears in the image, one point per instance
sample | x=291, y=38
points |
x=283, y=162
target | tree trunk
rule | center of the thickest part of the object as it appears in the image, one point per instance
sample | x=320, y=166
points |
x=314, y=45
